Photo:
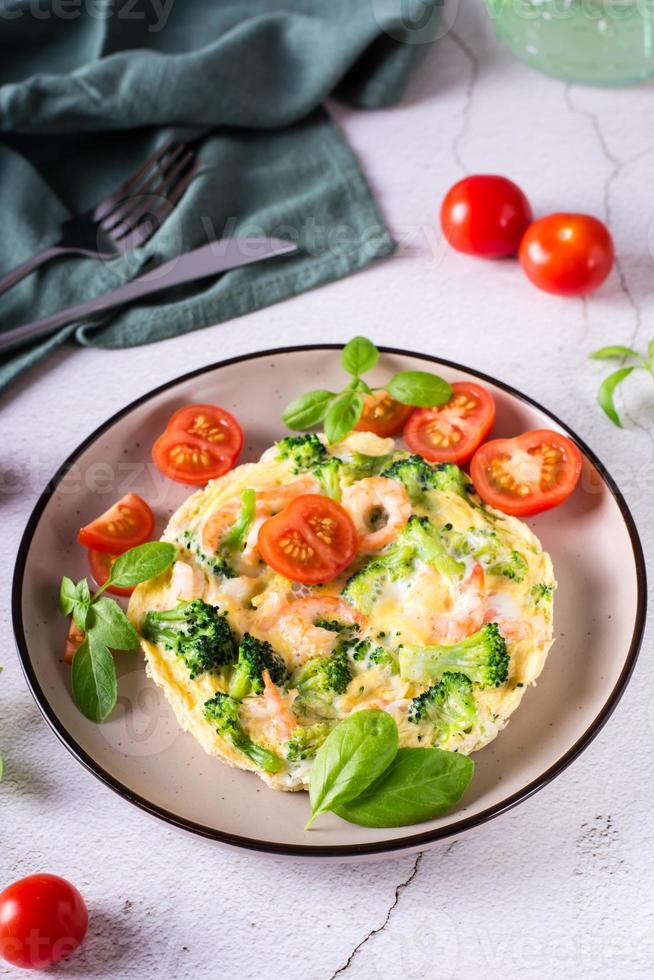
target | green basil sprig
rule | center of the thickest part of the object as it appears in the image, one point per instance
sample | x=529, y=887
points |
x=618, y=352
x=106, y=627
x=340, y=411
x=418, y=785
x=361, y=775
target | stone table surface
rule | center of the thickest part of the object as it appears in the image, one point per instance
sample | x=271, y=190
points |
x=563, y=884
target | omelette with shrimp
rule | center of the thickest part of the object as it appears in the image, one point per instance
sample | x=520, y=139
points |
x=442, y=615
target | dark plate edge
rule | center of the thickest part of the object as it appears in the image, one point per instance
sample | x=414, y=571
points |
x=342, y=850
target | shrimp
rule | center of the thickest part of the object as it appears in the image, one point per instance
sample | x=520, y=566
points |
x=186, y=583
x=269, y=501
x=468, y=612
x=379, y=507
x=291, y=623
x=279, y=709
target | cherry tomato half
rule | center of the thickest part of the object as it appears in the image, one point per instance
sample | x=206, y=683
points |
x=311, y=541
x=451, y=432
x=74, y=640
x=43, y=919
x=128, y=523
x=100, y=563
x=383, y=415
x=485, y=215
x=528, y=474
x=200, y=443
x=567, y=254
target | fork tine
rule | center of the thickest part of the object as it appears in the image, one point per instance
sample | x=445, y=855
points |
x=156, y=187
x=134, y=234
x=128, y=186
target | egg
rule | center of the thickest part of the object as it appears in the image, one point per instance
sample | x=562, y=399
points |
x=492, y=570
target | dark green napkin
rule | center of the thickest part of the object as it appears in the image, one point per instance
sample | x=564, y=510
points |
x=90, y=88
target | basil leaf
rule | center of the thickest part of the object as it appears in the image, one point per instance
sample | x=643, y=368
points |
x=354, y=754
x=359, y=356
x=650, y=350
x=141, y=563
x=93, y=675
x=606, y=390
x=308, y=409
x=344, y=413
x=418, y=785
x=109, y=624
x=612, y=352
x=419, y=388
x=67, y=596
x=82, y=605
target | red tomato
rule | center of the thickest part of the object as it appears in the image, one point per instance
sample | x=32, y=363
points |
x=311, y=541
x=100, y=563
x=43, y=918
x=383, y=415
x=528, y=474
x=74, y=640
x=450, y=433
x=200, y=443
x=485, y=215
x=128, y=523
x=567, y=254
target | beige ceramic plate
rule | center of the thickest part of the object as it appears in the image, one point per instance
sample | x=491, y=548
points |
x=141, y=754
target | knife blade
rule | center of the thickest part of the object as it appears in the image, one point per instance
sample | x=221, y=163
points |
x=200, y=263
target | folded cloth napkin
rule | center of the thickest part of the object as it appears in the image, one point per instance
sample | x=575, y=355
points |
x=90, y=87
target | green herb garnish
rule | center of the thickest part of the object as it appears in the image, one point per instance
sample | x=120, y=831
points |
x=340, y=411
x=106, y=626
x=617, y=352
x=361, y=775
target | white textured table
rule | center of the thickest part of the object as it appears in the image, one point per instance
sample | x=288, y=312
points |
x=562, y=885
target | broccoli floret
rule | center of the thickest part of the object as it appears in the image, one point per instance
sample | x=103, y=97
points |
x=418, y=539
x=448, y=477
x=415, y=474
x=218, y=566
x=429, y=547
x=542, y=595
x=328, y=476
x=306, y=740
x=512, y=566
x=359, y=466
x=486, y=547
x=365, y=653
x=234, y=540
x=303, y=452
x=255, y=656
x=449, y=707
x=196, y=632
x=222, y=711
x=363, y=589
x=319, y=680
x=482, y=657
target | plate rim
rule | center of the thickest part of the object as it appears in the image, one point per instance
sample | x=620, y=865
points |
x=344, y=851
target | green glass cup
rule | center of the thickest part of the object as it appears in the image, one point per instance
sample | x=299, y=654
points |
x=594, y=42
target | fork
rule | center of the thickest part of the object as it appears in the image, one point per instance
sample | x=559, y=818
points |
x=126, y=218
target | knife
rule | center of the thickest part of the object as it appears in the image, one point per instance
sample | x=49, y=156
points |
x=208, y=260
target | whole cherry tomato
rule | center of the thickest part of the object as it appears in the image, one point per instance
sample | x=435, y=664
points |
x=43, y=919
x=485, y=215
x=567, y=254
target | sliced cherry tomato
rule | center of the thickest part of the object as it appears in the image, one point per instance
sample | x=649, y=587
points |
x=383, y=415
x=100, y=563
x=485, y=215
x=312, y=540
x=567, y=254
x=74, y=640
x=128, y=523
x=452, y=432
x=528, y=474
x=43, y=919
x=200, y=443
